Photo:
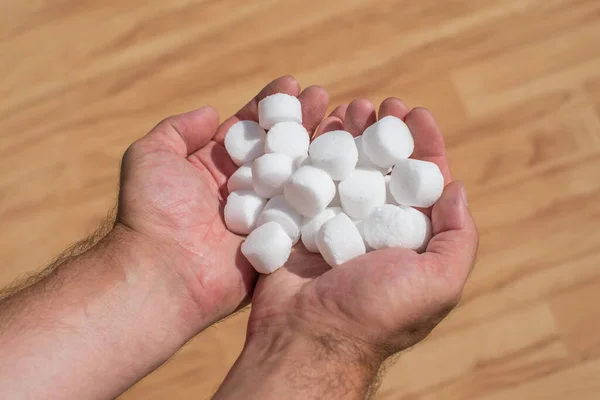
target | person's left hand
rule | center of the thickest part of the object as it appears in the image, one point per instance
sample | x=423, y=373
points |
x=382, y=302
x=173, y=190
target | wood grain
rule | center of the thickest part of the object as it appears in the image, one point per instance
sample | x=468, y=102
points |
x=515, y=85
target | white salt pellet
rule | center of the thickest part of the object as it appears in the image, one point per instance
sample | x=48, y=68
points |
x=278, y=108
x=336, y=202
x=280, y=211
x=305, y=162
x=339, y=240
x=309, y=190
x=288, y=138
x=388, y=141
x=360, y=225
x=242, y=211
x=363, y=159
x=270, y=172
x=245, y=142
x=335, y=153
x=267, y=248
x=397, y=226
x=423, y=229
x=361, y=192
x=302, y=162
x=241, y=179
x=389, y=199
x=416, y=183
x=311, y=226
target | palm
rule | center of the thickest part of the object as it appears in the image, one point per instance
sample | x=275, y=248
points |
x=173, y=191
x=176, y=201
x=389, y=298
x=180, y=199
x=352, y=297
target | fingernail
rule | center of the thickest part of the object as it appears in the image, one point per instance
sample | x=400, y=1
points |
x=463, y=191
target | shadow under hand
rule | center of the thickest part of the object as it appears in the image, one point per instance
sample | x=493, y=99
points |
x=305, y=264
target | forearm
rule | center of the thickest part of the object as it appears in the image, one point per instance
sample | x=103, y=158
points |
x=292, y=366
x=94, y=326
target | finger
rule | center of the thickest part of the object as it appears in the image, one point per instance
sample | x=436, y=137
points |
x=429, y=142
x=329, y=124
x=393, y=107
x=314, y=100
x=359, y=116
x=455, y=241
x=334, y=122
x=304, y=264
x=214, y=158
x=184, y=133
x=340, y=112
x=285, y=84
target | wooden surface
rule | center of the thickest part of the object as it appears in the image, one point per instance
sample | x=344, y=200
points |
x=515, y=85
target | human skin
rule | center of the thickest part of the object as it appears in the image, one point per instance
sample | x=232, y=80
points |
x=316, y=332
x=119, y=304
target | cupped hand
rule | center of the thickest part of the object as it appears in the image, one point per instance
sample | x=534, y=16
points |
x=173, y=190
x=387, y=300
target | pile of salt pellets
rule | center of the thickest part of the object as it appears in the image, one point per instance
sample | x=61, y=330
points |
x=343, y=196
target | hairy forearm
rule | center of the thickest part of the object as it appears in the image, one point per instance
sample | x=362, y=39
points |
x=292, y=366
x=94, y=323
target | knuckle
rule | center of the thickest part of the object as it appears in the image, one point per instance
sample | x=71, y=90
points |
x=454, y=293
x=166, y=123
x=131, y=150
x=127, y=158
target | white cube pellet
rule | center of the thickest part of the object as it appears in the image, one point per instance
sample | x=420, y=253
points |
x=336, y=202
x=423, y=230
x=389, y=199
x=279, y=107
x=388, y=141
x=245, y=142
x=242, y=211
x=397, y=226
x=280, y=211
x=305, y=162
x=335, y=153
x=363, y=159
x=309, y=190
x=301, y=161
x=270, y=172
x=361, y=192
x=311, y=226
x=339, y=241
x=360, y=225
x=416, y=183
x=241, y=179
x=288, y=138
x=267, y=248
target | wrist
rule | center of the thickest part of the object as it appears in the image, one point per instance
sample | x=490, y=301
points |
x=294, y=363
x=148, y=275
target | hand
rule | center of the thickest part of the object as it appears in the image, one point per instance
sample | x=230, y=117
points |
x=360, y=313
x=119, y=304
x=173, y=190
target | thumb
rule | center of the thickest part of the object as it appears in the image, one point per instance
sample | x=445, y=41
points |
x=455, y=239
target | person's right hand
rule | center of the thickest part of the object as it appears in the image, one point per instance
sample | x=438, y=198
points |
x=173, y=190
x=340, y=324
